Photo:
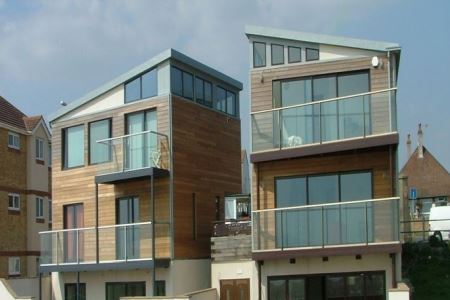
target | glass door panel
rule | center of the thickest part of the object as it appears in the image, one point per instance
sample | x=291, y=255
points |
x=73, y=240
x=127, y=237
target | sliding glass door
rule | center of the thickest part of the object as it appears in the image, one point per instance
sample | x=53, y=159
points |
x=127, y=237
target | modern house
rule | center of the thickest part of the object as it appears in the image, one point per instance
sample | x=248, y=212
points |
x=325, y=220
x=141, y=168
x=25, y=193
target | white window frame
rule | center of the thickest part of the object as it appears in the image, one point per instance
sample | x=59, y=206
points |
x=14, y=265
x=40, y=149
x=16, y=198
x=50, y=211
x=39, y=208
x=15, y=139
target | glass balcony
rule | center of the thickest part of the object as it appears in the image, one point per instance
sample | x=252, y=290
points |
x=355, y=116
x=344, y=223
x=135, y=151
x=117, y=243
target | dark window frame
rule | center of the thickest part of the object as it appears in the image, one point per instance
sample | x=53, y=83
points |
x=289, y=57
x=203, y=100
x=74, y=285
x=158, y=285
x=182, y=83
x=64, y=148
x=312, y=49
x=271, y=54
x=126, y=283
x=265, y=54
x=90, y=163
x=140, y=86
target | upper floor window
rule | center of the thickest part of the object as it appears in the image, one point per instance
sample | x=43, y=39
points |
x=49, y=154
x=144, y=86
x=73, y=149
x=231, y=103
x=13, y=140
x=99, y=152
x=226, y=101
x=221, y=99
x=203, y=91
x=39, y=208
x=50, y=212
x=182, y=83
x=277, y=54
x=39, y=149
x=259, y=54
x=312, y=54
x=13, y=201
x=14, y=265
x=294, y=54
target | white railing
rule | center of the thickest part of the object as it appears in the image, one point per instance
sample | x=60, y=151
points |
x=327, y=225
x=359, y=115
x=117, y=243
x=135, y=151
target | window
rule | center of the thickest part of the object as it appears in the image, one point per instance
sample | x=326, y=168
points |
x=277, y=54
x=39, y=149
x=231, y=103
x=237, y=208
x=226, y=101
x=312, y=54
x=144, y=86
x=294, y=54
x=73, y=146
x=49, y=154
x=203, y=91
x=182, y=83
x=221, y=99
x=99, y=152
x=39, y=208
x=259, y=54
x=13, y=201
x=70, y=291
x=50, y=213
x=13, y=140
x=116, y=290
x=160, y=288
x=14, y=265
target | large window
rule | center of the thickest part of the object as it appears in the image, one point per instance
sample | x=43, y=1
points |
x=73, y=146
x=13, y=140
x=116, y=290
x=70, y=291
x=13, y=201
x=39, y=149
x=144, y=86
x=259, y=54
x=182, y=83
x=331, y=225
x=14, y=265
x=39, y=208
x=277, y=54
x=226, y=101
x=312, y=54
x=99, y=152
x=361, y=285
x=203, y=91
x=294, y=54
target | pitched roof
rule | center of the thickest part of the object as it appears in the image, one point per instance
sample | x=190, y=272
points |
x=32, y=122
x=10, y=115
x=156, y=60
x=320, y=38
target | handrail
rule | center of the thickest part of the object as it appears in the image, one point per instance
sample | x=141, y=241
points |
x=103, y=141
x=100, y=227
x=67, y=230
x=326, y=204
x=322, y=101
x=124, y=225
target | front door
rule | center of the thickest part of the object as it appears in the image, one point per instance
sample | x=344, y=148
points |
x=127, y=237
x=235, y=289
x=73, y=239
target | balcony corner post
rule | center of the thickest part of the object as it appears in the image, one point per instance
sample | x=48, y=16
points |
x=97, y=250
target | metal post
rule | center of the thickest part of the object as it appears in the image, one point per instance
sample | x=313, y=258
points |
x=40, y=285
x=367, y=225
x=364, y=115
x=279, y=129
x=78, y=285
x=323, y=228
x=126, y=243
x=282, y=231
x=97, y=249
x=78, y=246
x=152, y=196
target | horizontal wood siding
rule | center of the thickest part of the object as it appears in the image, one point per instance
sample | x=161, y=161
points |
x=206, y=160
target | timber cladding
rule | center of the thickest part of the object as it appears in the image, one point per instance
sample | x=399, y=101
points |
x=206, y=161
x=77, y=185
x=261, y=80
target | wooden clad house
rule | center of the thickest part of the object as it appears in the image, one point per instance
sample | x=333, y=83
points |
x=141, y=167
x=325, y=220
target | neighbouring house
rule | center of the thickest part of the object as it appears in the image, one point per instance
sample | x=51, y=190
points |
x=425, y=182
x=325, y=219
x=142, y=166
x=25, y=194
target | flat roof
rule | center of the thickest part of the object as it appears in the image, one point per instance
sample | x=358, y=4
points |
x=251, y=30
x=154, y=61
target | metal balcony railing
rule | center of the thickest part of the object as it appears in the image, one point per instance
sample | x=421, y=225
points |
x=117, y=243
x=355, y=116
x=362, y=222
x=135, y=151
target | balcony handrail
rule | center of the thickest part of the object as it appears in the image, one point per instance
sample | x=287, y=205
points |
x=325, y=204
x=125, y=225
x=323, y=101
x=105, y=141
x=67, y=230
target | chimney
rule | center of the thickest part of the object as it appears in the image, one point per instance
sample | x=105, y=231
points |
x=408, y=146
x=420, y=141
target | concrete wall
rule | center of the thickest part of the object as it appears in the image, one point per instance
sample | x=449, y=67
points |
x=235, y=270
x=8, y=293
x=29, y=287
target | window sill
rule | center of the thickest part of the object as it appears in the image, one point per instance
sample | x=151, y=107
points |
x=40, y=220
x=13, y=211
x=40, y=161
x=14, y=149
x=15, y=275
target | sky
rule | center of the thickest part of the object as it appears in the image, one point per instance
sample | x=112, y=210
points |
x=52, y=51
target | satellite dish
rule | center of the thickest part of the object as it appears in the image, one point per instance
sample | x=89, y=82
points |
x=62, y=103
x=375, y=61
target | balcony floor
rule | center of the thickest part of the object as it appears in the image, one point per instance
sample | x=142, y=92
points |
x=131, y=175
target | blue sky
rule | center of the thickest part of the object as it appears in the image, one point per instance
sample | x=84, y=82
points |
x=60, y=50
